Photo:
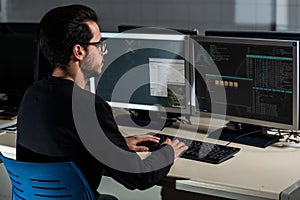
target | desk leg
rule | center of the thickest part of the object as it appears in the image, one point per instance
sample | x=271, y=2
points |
x=168, y=192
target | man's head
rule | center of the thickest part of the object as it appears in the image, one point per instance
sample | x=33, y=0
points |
x=63, y=29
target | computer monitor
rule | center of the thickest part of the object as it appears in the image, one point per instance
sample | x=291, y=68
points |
x=254, y=34
x=18, y=61
x=146, y=72
x=247, y=81
x=19, y=28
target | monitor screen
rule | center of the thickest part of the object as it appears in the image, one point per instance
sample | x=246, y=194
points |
x=19, y=28
x=17, y=64
x=254, y=81
x=146, y=72
x=30, y=30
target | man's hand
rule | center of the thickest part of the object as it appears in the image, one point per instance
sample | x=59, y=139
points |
x=178, y=147
x=132, y=141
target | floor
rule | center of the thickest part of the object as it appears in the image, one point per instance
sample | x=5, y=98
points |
x=109, y=186
x=5, y=188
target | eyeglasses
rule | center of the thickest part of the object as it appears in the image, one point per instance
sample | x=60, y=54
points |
x=101, y=45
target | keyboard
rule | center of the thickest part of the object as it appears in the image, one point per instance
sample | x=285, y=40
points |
x=200, y=151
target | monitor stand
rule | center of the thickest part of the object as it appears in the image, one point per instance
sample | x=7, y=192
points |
x=248, y=134
x=142, y=119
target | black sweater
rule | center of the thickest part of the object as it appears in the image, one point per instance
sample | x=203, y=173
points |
x=48, y=131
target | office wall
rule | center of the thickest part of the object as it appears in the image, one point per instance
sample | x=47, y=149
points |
x=288, y=17
x=188, y=14
x=280, y=15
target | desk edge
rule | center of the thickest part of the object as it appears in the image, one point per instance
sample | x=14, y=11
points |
x=223, y=191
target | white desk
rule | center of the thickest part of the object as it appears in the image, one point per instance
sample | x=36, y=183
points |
x=254, y=173
x=8, y=140
x=8, y=144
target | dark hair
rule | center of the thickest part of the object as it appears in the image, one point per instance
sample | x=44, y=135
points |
x=63, y=27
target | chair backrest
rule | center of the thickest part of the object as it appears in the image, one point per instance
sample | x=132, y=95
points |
x=37, y=181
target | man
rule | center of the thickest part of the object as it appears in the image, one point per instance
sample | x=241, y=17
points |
x=70, y=39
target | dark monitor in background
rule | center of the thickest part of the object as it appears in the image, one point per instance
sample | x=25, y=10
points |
x=18, y=61
x=42, y=68
x=259, y=80
x=16, y=28
x=146, y=74
x=254, y=34
x=158, y=30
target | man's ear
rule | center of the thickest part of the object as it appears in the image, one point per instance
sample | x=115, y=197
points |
x=78, y=52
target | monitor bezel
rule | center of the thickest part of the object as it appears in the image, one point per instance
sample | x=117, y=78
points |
x=156, y=108
x=256, y=41
x=254, y=34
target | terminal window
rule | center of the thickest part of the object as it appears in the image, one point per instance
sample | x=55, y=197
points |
x=258, y=79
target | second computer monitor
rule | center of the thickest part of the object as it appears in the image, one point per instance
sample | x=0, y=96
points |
x=254, y=81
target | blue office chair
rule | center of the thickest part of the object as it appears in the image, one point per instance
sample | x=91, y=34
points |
x=37, y=181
